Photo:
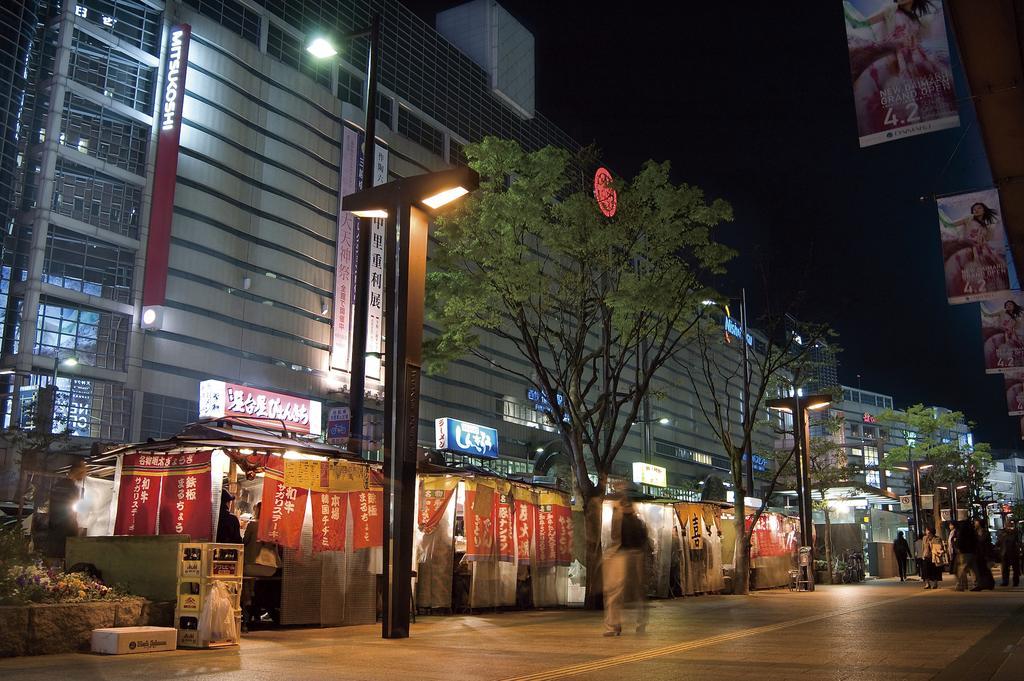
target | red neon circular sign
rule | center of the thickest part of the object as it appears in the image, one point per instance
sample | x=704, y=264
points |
x=607, y=197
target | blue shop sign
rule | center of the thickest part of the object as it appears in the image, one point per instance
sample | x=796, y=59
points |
x=736, y=331
x=452, y=435
x=761, y=464
x=541, y=403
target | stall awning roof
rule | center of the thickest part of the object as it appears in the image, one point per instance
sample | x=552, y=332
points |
x=225, y=434
x=853, y=492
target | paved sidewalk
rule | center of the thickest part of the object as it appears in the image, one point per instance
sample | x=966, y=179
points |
x=877, y=630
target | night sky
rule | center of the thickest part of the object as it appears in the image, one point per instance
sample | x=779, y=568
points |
x=753, y=103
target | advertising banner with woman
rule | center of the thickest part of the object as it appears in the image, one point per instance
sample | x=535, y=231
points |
x=975, y=253
x=900, y=68
x=1002, y=332
x=1013, y=381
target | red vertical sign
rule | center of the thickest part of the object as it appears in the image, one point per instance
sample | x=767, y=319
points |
x=479, y=528
x=165, y=178
x=526, y=520
x=435, y=494
x=563, y=534
x=367, y=521
x=185, y=503
x=329, y=512
x=138, y=496
x=547, y=532
x=284, y=508
x=503, y=521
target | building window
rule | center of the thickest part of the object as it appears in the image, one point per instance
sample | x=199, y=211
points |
x=82, y=263
x=871, y=456
x=95, y=338
x=164, y=416
x=109, y=72
x=516, y=411
x=231, y=15
x=133, y=22
x=111, y=138
x=350, y=88
x=873, y=478
x=112, y=204
x=420, y=132
x=91, y=408
x=288, y=49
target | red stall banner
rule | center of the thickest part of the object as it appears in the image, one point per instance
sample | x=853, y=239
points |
x=367, y=518
x=769, y=537
x=329, y=514
x=435, y=495
x=547, y=529
x=503, y=526
x=479, y=521
x=284, y=508
x=138, y=496
x=186, y=506
x=525, y=522
x=563, y=533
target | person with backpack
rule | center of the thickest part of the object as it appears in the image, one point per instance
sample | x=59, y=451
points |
x=625, y=583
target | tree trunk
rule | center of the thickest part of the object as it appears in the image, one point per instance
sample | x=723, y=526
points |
x=592, y=521
x=828, y=544
x=741, y=556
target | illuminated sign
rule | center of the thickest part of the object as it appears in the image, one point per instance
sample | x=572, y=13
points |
x=649, y=474
x=607, y=197
x=760, y=464
x=736, y=331
x=218, y=399
x=158, y=246
x=452, y=435
x=868, y=418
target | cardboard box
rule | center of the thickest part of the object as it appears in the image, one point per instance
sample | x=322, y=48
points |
x=128, y=640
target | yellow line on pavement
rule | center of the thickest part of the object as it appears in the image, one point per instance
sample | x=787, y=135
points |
x=582, y=668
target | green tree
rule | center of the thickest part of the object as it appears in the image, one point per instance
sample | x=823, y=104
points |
x=595, y=305
x=932, y=435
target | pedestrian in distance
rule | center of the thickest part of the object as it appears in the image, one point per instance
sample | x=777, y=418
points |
x=901, y=549
x=966, y=545
x=625, y=582
x=982, y=556
x=933, y=557
x=951, y=545
x=1009, y=553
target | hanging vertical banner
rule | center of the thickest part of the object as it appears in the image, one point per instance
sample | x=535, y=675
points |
x=367, y=518
x=563, y=532
x=479, y=521
x=158, y=245
x=1013, y=381
x=900, y=68
x=975, y=252
x=547, y=529
x=375, y=314
x=525, y=520
x=503, y=527
x=284, y=508
x=138, y=497
x=329, y=513
x=185, y=503
x=344, y=256
x=1002, y=332
x=435, y=494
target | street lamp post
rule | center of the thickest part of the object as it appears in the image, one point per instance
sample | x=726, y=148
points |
x=799, y=406
x=915, y=492
x=646, y=422
x=321, y=48
x=952, y=499
x=405, y=204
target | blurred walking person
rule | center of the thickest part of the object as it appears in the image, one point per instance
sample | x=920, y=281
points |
x=1009, y=553
x=901, y=549
x=951, y=545
x=966, y=545
x=982, y=556
x=933, y=557
x=625, y=579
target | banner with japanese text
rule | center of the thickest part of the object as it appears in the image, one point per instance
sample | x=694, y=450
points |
x=284, y=508
x=900, y=69
x=367, y=518
x=479, y=519
x=563, y=532
x=330, y=510
x=435, y=495
x=185, y=499
x=1013, y=383
x=344, y=255
x=138, y=497
x=975, y=253
x=503, y=525
x=525, y=522
x=1002, y=332
x=547, y=529
x=772, y=536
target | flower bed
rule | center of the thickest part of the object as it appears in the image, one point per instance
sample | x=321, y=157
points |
x=25, y=584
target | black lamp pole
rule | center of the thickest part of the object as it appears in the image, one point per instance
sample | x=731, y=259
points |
x=357, y=376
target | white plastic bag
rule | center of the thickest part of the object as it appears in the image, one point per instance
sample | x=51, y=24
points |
x=217, y=619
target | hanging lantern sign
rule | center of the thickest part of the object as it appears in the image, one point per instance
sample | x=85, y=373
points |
x=607, y=197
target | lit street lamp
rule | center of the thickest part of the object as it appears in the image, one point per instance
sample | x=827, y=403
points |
x=952, y=499
x=798, y=406
x=321, y=48
x=915, y=491
x=405, y=204
x=646, y=422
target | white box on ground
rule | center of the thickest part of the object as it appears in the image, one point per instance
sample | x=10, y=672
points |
x=126, y=640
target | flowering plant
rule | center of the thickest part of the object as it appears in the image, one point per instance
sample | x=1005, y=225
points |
x=38, y=584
